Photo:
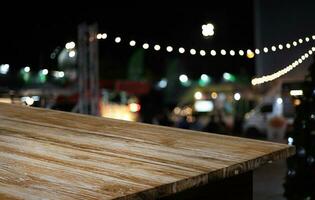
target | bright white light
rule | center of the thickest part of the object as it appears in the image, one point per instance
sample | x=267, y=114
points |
x=183, y=78
x=265, y=49
x=257, y=51
x=181, y=50
x=162, y=83
x=28, y=100
x=61, y=74
x=280, y=46
x=36, y=98
x=313, y=37
x=296, y=92
x=294, y=43
x=226, y=76
x=300, y=60
x=145, y=45
x=223, y=52
x=241, y=52
x=204, y=77
x=303, y=57
x=300, y=41
x=4, y=68
x=45, y=71
x=70, y=45
x=213, y=53
x=290, y=141
x=273, y=48
x=279, y=100
x=58, y=74
x=207, y=30
x=99, y=36
x=232, y=53
x=202, y=52
x=288, y=45
x=169, y=49
x=203, y=106
x=307, y=39
x=132, y=43
x=198, y=95
x=117, y=39
x=237, y=96
x=192, y=51
x=104, y=36
x=71, y=53
x=27, y=69
x=157, y=47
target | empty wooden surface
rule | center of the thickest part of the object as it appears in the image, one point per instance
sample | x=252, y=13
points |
x=47, y=154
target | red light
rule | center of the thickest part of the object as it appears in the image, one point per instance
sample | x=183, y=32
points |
x=134, y=107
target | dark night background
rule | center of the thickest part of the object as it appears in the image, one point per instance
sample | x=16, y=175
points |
x=32, y=35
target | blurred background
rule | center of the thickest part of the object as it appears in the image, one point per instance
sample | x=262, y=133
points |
x=239, y=68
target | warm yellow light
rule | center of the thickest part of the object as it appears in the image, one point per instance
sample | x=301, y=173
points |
x=198, y=95
x=250, y=54
x=214, y=95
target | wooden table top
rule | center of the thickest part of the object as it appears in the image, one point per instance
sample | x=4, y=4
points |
x=47, y=154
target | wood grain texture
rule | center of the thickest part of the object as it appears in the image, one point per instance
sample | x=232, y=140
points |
x=47, y=154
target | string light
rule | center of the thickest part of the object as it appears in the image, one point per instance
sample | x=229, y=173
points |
x=117, y=39
x=192, y=51
x=157, y=47
x=132, y=43
x=265, y=49
x=307, y=39
x=202, y=52
x=271, y=77
x=223, y=52
x=145, y=45
x=169, y=49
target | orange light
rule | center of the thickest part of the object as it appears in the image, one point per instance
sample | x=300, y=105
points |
x=134, y=107
x=297, y=102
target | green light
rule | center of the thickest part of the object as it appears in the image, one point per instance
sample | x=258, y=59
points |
x=204, y=80
x=229, y=77
x=42, y=75
x=25, y=74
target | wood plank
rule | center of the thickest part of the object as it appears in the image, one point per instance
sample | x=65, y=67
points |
x=47, y=154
